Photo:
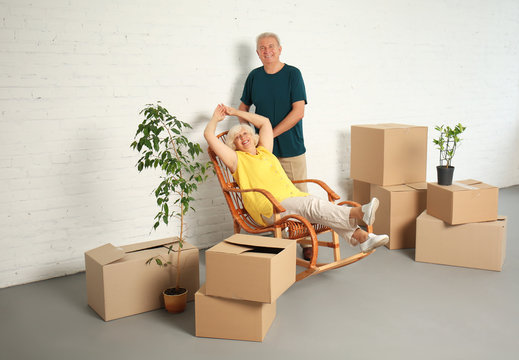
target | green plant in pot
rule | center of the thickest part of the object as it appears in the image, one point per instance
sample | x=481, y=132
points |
x=447, y=143
x=161, y=141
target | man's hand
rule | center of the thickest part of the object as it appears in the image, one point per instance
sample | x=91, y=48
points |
x=230, y=110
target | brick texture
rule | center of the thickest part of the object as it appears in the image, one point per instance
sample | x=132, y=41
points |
x=74, y=76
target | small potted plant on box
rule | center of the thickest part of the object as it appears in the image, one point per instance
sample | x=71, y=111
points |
x=161, y=141
x=447, y=143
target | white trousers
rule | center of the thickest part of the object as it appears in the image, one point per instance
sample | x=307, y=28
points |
x=323, y=212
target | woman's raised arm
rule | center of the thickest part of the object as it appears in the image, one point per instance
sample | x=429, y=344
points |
x=225, y=153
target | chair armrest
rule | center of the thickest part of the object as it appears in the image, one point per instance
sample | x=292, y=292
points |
x=277, y=207
x=332, y=196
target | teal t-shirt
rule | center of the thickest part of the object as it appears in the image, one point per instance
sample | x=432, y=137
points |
x=273, y=96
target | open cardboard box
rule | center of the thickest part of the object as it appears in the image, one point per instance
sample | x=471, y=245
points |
x=388, y=154
x=480, y=245
x=248, y=267
x=399, y=207
x=462, y=202
x=222, y=318
x=119, y=283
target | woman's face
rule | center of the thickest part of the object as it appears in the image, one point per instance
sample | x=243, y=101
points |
x=244, y=140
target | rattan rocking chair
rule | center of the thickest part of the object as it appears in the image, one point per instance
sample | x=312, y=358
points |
x=291, y=226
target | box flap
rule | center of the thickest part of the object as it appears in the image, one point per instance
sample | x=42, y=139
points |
x=397, y=188
x=469, y=184
x=418, y=186
x=106, y=254
x=230, y=248
x=250, y=241
x=151, y=244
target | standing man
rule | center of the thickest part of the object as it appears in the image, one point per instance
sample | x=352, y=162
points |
x=278, y=92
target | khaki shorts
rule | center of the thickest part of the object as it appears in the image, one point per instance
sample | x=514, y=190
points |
x=295, y=167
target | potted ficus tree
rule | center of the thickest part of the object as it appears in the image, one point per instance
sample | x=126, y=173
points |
x=161, y=140
x=447, y=143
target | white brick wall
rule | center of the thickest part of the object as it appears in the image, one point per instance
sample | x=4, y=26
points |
x=75, y=74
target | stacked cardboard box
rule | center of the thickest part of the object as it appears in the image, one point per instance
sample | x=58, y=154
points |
x=119, y=283
x=245, y=275
x=461, y=226
x=388, y=161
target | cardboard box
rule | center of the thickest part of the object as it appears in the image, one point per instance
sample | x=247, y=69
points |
x=119, y=283
x=388, y=154
x=480, y=245
x=462, y=202
x=248, y=267
x=223, y=318
x=361, y=192
x=396, y=216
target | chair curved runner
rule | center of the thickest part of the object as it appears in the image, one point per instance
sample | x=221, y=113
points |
x=291, y=226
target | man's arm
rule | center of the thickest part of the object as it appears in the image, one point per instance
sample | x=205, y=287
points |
x=245, y=108
x=292, y=118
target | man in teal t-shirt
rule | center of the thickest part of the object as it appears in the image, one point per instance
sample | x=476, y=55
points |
x=277, y=90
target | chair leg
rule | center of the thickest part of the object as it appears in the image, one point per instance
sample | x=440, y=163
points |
x=277, y=230
x=336, y=248
x=237, y=227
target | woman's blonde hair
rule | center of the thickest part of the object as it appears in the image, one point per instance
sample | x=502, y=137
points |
x=233, y=132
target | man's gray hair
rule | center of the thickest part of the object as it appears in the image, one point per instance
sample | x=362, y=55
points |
x=267, y=35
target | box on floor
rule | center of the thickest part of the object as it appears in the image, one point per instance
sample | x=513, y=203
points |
x=462, y=202
x=480, y=245
x=223, y=318
x=119, y=283
x=248, y=267
x=399, y=207
x=388, y=154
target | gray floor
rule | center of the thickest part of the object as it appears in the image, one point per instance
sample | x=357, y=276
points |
x=385, y=306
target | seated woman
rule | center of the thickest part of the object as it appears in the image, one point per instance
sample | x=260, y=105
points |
x=250, y=159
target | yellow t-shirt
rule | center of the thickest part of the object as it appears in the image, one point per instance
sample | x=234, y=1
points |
x=262, y=171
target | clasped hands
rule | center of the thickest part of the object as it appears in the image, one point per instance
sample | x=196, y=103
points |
x=222, y=111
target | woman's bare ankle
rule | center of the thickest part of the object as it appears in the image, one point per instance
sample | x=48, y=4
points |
x=356, y=213
x=360, y=235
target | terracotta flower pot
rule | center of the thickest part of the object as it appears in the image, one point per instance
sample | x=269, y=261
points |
x=175, y=301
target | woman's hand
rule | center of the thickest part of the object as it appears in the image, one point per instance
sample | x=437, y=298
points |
x=219, y=113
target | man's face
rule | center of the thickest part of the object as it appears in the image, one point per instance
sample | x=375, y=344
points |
x=268, y=50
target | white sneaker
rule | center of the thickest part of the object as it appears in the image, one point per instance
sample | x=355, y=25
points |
x=373, y=241
x=369, y=211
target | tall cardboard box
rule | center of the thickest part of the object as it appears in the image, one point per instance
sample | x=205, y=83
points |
x=388, y=154
x=223, y=318
x=480, y=245
x=462, y=202
x=119, y=283
x=361, y=192
x=248, y=267
x=396, y=216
